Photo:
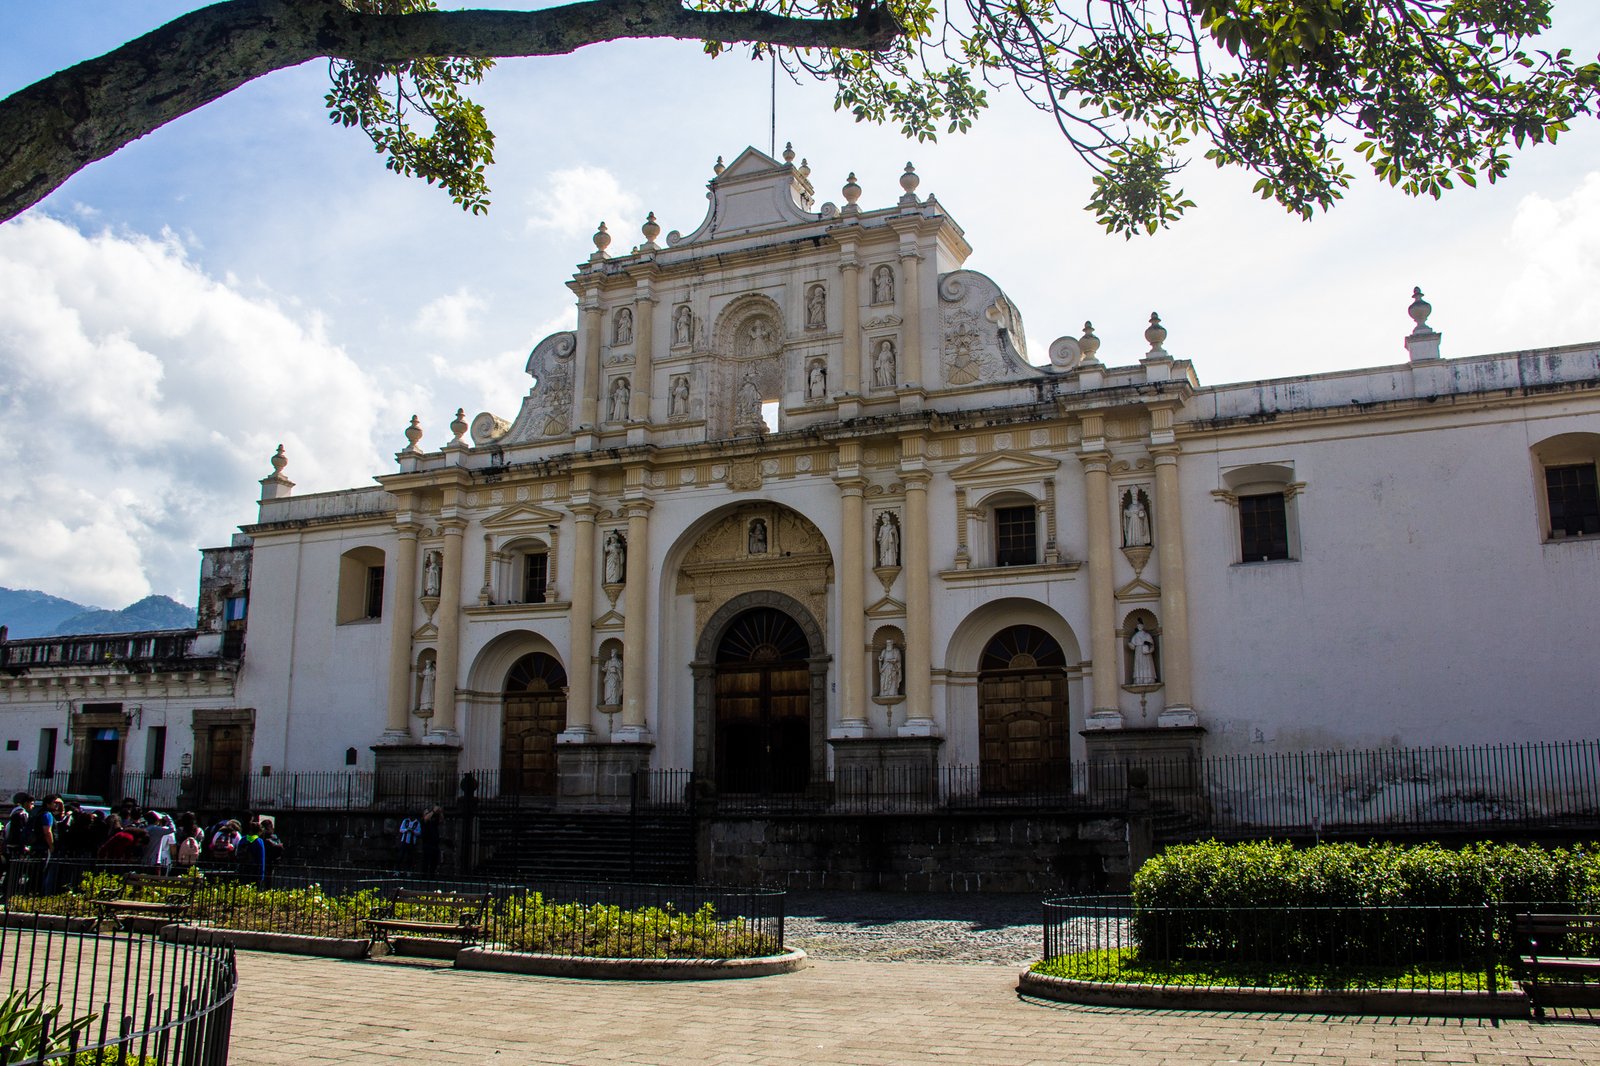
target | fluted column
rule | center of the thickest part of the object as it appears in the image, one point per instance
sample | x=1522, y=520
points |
x=449, y=623
x=635, y=630
x=589, y=409
x=402, y=620
x=850, y=322
x=580, y=648
x=919, y=598
x=852, y=600
x=1175, y=672
x=1105, y=712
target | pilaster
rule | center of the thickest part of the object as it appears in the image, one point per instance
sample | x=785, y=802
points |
x=1105, y=712
x=402, y=620
x=919, y=598
x=442, y=728
x=852, y=594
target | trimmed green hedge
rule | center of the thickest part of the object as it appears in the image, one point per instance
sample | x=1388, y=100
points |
x=1345, y=904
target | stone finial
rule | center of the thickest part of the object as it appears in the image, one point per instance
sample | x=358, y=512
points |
x=1089, y=344
x=602, y=241
x=718, y=168
x=909, y=182
x=788, y=151
x=805, y=169
x=650, y=230
x=459, y=427
x=852, y=193
x=279, y=461
x=1156, y=335
x=413, y=435
x=1419, y=311
x=275, y=486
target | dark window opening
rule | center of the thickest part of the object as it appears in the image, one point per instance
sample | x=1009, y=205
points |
x=535, y=575
x=349, y=756
x=1574, y=500
x=1263, y=527
x=374, y=592
x=47, y=752
x=155, y=753
x=1014, y=535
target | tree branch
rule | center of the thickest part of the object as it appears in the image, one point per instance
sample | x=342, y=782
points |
x=62, y=123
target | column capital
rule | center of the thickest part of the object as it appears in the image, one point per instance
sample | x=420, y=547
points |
x=1166, y=454
x=1095, y=462
x=583, y=512
x=407, y=530
x=453, y=527
x=638, y=508
x=849, y=262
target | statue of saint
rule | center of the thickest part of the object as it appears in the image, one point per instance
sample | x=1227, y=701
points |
x=758, y=537
x=611, y=680
x=616, y=551
x=889, y=674
x=425, y=688
x=817, y=382
x=1144, y=656
x=817, y=307
x=883, y=375
x=620, y=394
x=682, y=325
x=622, y=326
x=432, y=572
x=1135, y=522
x=883, y=285
x=749, y=402
x=680, y=396
x=888, y=541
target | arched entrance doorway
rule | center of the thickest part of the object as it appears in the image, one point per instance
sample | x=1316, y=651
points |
x=1023, y=733
x=534, y=711
x=763, y=704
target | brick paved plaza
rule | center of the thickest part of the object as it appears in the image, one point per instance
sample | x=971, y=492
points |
x=312, y=1011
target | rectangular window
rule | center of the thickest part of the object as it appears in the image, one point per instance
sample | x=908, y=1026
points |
x=374, y=592
x=155, y=751
x=1263, y=528
x=1574, y=501
x=233, y=610
x=535, y=575
x=1014, y=540
x=47, y=752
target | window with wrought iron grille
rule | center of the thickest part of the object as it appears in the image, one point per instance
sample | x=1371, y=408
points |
x=374, y=592
x=1263, y=527
x=1573, y=499
x=1016, y=541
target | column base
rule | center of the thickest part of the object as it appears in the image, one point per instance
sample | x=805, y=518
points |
x=576, y=736
x=598, y=774
x=1101, y=719
x=391, y=737
x=442, y=738
x=633, y=734
x=851, y=729
x=1179, y=717
x=919, y=727
x=413, y=770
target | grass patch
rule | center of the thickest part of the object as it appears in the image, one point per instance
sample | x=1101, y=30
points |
x=1123, y=966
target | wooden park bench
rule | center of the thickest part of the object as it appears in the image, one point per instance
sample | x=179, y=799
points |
x=447, y=915
x=1554, y=976
x=149, y=900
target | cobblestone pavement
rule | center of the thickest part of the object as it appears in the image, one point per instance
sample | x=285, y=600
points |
x=892, y=927
x=318, y=1012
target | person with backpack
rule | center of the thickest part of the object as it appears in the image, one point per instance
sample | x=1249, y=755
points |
x=186, y=851
x=17, y=825
x=42, y=837
x=410, y=834
x=225, y=841
x=252, y=855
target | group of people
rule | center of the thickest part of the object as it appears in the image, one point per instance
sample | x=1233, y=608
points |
x=420, y=840
x=52, y=829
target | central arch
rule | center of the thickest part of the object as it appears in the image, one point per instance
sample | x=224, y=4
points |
x=535, y=710
x=760, y=696
x=1022, y=715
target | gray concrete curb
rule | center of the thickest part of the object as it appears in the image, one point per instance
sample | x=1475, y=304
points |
x=60, y=923
x=326, y=947
x=1511, y=1003
x=628, y=969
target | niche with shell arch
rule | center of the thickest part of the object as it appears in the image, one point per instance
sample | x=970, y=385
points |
x=1130, y=625
x=882, y=669
x=607, y=647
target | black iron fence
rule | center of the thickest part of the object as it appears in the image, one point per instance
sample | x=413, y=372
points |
x=1445, y=949
x=541, y=917
x=114, y=997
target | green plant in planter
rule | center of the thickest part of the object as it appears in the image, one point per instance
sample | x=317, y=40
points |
x=28, y=1028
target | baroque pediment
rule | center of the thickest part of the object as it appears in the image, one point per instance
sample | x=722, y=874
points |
x=522, y=516
x=755, y=192
x=1004, y=466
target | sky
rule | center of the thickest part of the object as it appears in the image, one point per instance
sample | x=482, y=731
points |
x=250, y=275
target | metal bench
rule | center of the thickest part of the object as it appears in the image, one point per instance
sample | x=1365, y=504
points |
x=448, y=915
x=1552, y=975
x=149, y=900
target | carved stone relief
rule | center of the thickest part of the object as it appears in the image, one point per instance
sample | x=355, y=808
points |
x=757, y=547
x=547, y=411
x=981, y=337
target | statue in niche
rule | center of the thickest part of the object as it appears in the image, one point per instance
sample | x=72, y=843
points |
x=758, y=536
x=682, y=325
x=620, y=394
x=616, y=557
x=611, y=680
x=888, y=540
x=883, y=285
x=883, y=375
x=680, y=396
x=1135, y=520
x=425, y=688
x=817, y=382
x=1143, y=646
x=817, y=308
x=890, y=674
x=749, y=401
x=622, y=326
x=760, y=337
x=432, y=572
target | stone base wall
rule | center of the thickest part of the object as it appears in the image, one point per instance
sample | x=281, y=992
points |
x=988, y=852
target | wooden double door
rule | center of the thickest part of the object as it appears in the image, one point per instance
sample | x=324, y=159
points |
x=763, y=705
x=1023, y=733
x=534, y=711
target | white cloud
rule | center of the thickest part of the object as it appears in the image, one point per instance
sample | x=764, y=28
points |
x=452, y=318
x=1549, y=259
x=143, y=399
x=578, y=198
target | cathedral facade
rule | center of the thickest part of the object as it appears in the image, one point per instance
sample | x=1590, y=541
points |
x=799, y=496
